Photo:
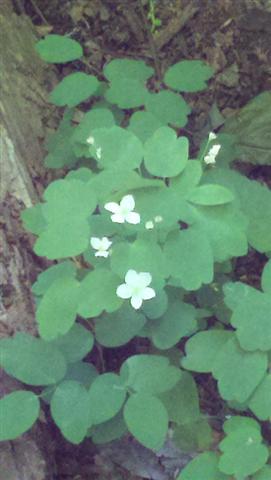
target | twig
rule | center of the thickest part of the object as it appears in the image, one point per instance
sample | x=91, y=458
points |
x=151, y=42
x=39, y=12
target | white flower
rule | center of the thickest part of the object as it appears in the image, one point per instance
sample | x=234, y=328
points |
x=136, y=287
x=211, y=156
x=149, y=225
x=101, y=245
x=212, y=136
x=123, y=212
x=158, y=219
x=99, y=153
x=90, y=140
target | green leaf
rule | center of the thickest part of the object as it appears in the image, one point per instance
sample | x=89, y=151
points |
x=116, y=329
x=31, y=360
x=18, y=411
x=238, y=372
x=193, y=436
x=147, y=420
x=179, y=321
x=98, y=293
x=71, y=411
x=260, y=403
x=83, y=174
x=266, y=277
x=189, y=178
x=210, y=195
x=56, y=312
x=108, y=431
x=235, y=423
x=144, y=124
x=47, y=277
x=127, y=68
x=58, y=49
x=74, y=89
x=182, y=401
x=82, y=372
x=204, y=466
x=203, y=348
x=263, y=474
x=75, y=344
x=106, y=397
x=157, y=306
x=95, y=118
x=150, y=374
x=126, y=92
x=189, y=257
x=165, y=154
x=168, y=107
x=188, y=76
x=60, y=145
x=236, y=293
x=33, y=219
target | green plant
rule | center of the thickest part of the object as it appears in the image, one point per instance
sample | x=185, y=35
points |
x=155, y=21
x=153, y=233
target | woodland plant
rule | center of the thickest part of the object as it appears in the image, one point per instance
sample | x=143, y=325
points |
x=143, y=240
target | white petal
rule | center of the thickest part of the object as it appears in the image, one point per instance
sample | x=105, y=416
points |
x=132, y=217
x=136, y=301
x=90, y=140
x=128, y=203
x=112, y=207
x=117, y=218
x=105, y=243
x=148, y=293
x=212, y=136
x=95, y=242
x=158, y=219
x=214, y=150
x=145, y=279
x=124, y=291
x=149, y=225
x=132, y=278
x=102, y=254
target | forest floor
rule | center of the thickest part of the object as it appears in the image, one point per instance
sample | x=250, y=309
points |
x=234, y=37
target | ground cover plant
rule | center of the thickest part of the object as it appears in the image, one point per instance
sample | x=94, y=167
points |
x=144, y=238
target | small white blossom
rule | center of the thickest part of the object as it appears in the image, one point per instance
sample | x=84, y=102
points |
x=149, y=225
x=90, y=140
x=123, y=212
x=136, y=287
x=158, y=219
x=101, y=245
x=99, y=153
x=209, y=159
x=212, y=136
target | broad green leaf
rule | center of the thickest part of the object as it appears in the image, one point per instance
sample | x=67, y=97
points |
x=193, y=436
x=127, y=68
x=82, y=372
x=33, y=219
x=168, y=107
x=74, y=89
x=182, y=401
x=31, y=360
x=58, y=49
x=238, y=372
x=147, y=420
x=263, y=474
x=60, y=144
x=108, y=431
x=236, y=423
x=94, y=118
x=189, y=178
x=144, y=124
x=98, y=293
x=165, y=154
x=210, y=195
x=18, y=411
x=260, y=402
x=189, y=257
x=179, y=321
x=188, y=76
x=203, y=348
x=71, y=411
x=106, y=397
x=56, y=312
x=47, y=277
x=75, y=344
x=126, y=92
x=204, y=466
x=157, y=306
x=116, y=329
x=150, y=374
x=236, y=293
x=266, y=277
x=83, y=174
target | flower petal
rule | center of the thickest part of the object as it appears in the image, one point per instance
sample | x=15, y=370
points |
x=124, y=291
x=132, y=217
x=117, y=218
x=148, y=293
x=128, y=203
x=132, y=279
x=95, y=242
x=112, y=207
x=102, y=253
x=145, y=279
x=105, y=243
x=136, y=301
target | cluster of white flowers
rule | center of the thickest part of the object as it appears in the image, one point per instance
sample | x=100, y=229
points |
x=149, y=225
x=210, y=158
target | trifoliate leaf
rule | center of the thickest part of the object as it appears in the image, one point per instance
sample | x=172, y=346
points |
x=144, y=124
x=193, y=436
x=263, y=474
x=18, y=411
x=95, y=118
x=70, y=410
x=106, y=397
x=179, y=321
x=33, y=220
x=126, y=92
x=32, y=360
x=58, y=49
x=204, y=466
x=56, y=312
x=47, y=277
x=127, y=68
x=168, y=107
x=260, y=403
x=60, y=144
x=115, y=329
x=203, y=348
x=210, y=195
x=238, y=372
x=113, y=429
x=165, y=155
x=188, y=76
x=98, y=293
x=266, y=277
x=75, y=344
x=149, y=374
x=189, y=257
x=74, y=89
x=147, y=420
